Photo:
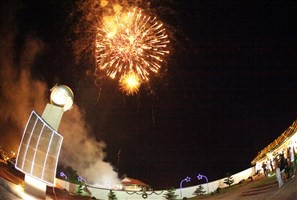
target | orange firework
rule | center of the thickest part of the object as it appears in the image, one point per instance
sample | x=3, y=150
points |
x=131, y=42
x=130, y=83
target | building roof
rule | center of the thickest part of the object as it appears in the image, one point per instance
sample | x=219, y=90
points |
x=131, y=181
x=277, y=142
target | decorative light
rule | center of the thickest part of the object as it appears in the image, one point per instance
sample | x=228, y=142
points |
x=80, y=179
x=200, y=177
x=62, y=96
x=62, y=174
x=187, y=179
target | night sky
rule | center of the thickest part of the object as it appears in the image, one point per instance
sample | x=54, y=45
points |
x=229, y=88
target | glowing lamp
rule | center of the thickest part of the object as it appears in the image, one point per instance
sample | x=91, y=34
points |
x=200, y=177
x=62, y=96
x=187, y=179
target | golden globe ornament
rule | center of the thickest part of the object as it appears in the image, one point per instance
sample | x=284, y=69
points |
x=62, y=96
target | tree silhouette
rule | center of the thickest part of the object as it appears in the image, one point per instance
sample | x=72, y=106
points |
x=79, y=189
x=229, y=179
x=170, y=195
x=111, y=195
x=200, y=190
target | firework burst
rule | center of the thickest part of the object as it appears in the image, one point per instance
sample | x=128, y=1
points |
x=130, y=83
x=131, y=44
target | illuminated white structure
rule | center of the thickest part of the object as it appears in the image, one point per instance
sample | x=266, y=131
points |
x=280, y=145
x=40, y=146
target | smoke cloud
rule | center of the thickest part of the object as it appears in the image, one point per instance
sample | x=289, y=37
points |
x=20, y=93
x=81, y=150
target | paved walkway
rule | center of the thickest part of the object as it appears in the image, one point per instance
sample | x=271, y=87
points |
x=265, y=192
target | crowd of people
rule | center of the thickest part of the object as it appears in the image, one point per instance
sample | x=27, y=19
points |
x=283, y=164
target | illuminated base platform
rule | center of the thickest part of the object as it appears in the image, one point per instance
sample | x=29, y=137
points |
x=11, y=191
x=35, y=187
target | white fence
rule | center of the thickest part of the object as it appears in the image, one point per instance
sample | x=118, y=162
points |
x=187, y=192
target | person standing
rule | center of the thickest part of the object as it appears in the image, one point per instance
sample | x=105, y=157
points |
x=278, y=172
x=292, y=161
x=283, y=165
x=264, y=168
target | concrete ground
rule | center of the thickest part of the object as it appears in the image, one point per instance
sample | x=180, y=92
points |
x=264, y=192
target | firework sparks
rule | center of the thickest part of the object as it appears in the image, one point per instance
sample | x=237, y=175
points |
x=130, y=83
x=131, y=42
